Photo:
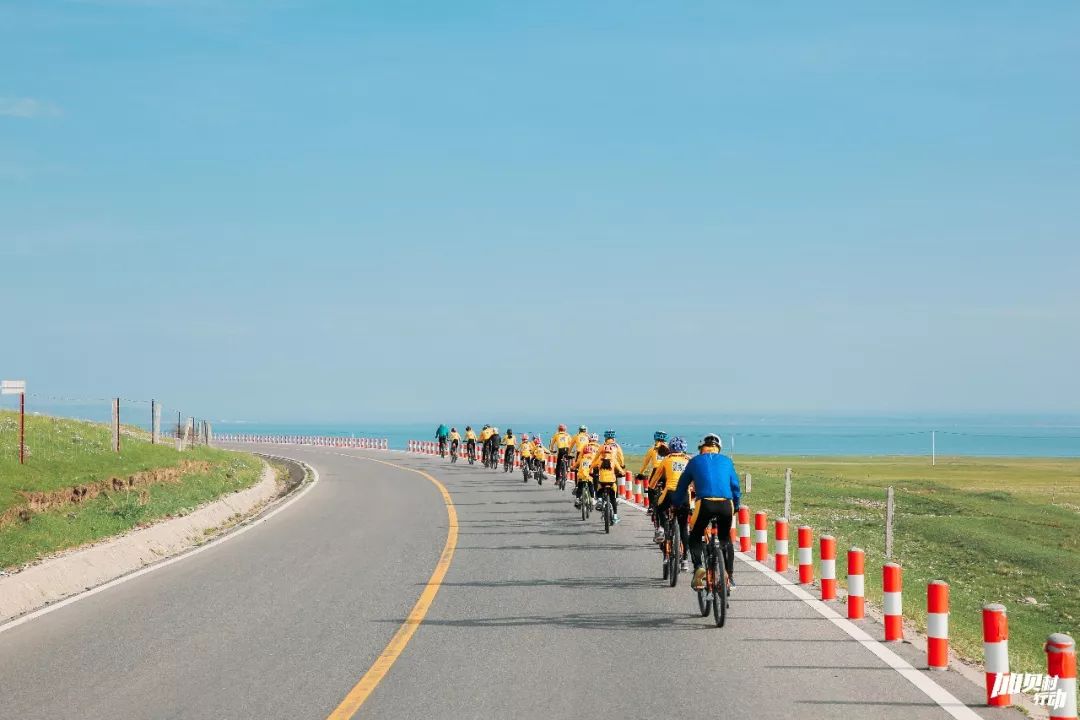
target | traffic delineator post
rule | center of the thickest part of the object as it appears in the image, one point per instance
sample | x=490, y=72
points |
x=1061, y=663
x=892, y=587
x=761, y=536
x=856, y=560
x=806, y=556
x=828, y=567
x=996, y=655
x=744, y=529
x=937, y=625
x=781, y=545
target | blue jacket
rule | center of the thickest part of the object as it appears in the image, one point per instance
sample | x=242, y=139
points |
x=442, y=432
x=713, y=475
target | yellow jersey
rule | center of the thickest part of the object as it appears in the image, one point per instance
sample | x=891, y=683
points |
x=526, y=449
x=666, y=475
x=585, y=461
x=618, y=450
x=510, y=441
x=538, y=451
x=579, y=442
x=454, y=437
x=560, y=441
x=610, y=464
x=652, y=460
x=470, y=435
x=485, y=434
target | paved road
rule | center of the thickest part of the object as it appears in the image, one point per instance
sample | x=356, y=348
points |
x=539, y=616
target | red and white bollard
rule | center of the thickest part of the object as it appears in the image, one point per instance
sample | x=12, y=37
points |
x=856, y=561
x=637, y=491
x=1061, y=663
x=996, y=655
x=744, y=529
x=937, y=625
x=892, y=587
x=761, y=537
x=780, y=544
x=828, y=567
x=806, y=555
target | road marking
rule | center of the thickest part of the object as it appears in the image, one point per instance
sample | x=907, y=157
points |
x=945, y=700
x=165, y=563
x=367, y=684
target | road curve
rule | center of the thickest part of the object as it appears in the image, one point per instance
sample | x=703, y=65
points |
x=539, y=616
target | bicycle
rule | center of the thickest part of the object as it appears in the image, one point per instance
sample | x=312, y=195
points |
x=470, y=451
x=670, y=547
x=586, y=500
x=562, y=471
x=606, y=509
x=526, y=468
x=714, y=596
x=453, y=451
x=508, y=460
x=442, y=447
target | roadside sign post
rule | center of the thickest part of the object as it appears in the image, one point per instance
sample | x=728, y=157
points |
x=116, y=424
x=18, y=387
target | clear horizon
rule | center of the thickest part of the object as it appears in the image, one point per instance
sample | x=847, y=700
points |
x=275, y=210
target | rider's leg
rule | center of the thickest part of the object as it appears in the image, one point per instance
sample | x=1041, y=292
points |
x=723, y=529
x=683, y=516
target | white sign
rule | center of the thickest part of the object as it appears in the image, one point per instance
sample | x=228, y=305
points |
x=12, y=387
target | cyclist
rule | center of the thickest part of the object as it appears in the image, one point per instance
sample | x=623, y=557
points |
x=455, y=441
x=440, y=434
x=717, y=487
x=509, y=443
x=607, y=469
x=485, y=433
x=579, y=442
x=526, y=452
x=560, y=445
x=654, y=492
x=493, y=450
x=470, y=441
x=583, y=466
x=539, y=457
x=664, y=481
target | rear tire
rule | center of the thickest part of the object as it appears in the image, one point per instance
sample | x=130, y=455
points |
x=673, y=559
x=704, y=602
x=720, y=594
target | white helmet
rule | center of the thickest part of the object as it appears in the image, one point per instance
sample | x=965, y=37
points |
x=712, y=439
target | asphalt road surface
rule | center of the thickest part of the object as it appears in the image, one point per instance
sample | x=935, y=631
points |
x=540, y=615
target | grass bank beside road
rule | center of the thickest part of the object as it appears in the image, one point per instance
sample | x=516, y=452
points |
x=74, y=489
x=996, y=529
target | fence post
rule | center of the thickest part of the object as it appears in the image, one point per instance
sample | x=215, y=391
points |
x=890, y=513
x=155, y=422
x=179, y=433
x=787, y=493
x=748, y=479
x=116, y=424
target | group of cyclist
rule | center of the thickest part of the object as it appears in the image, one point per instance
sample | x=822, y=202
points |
x=694, y=490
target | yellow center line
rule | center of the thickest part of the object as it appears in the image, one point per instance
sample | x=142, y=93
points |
x=360, y=692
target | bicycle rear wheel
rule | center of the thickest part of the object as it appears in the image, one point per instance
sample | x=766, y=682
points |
x=673, y=558
x=607, y=516
x=719, y=590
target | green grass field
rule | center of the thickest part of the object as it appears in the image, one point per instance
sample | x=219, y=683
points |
x=67, y=454
x=997, y=530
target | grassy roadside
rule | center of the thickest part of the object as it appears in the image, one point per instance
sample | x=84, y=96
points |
x=74, y=489
x=997, y=530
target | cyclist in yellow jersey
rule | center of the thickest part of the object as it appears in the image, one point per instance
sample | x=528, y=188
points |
x=455, y=440
x=651, y=460
x=608, y=467
x=470, y=443
x=583, y=466
x=578, y=443
x=664, y=480
x=509, y=443
x=526, y=448
x=539, y=456
x=560, y=445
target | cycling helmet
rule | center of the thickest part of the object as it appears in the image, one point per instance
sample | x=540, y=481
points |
x=594, y=438
x=677, y=445
x=582, y=428
x=659, y=435
x=509, y=432
x=712, y=439
x=453, y=429
x=468, y=427
x=485, y=427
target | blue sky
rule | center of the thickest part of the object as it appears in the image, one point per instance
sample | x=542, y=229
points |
x=319, y=211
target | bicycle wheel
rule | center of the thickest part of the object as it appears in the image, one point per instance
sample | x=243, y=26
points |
x=704, y=601
x=719, y=591
x=607, y=516
x=673, y=558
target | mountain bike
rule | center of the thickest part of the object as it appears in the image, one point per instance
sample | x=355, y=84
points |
x=562, y=469
x=606, y=509
x=442, y=447
x=508, y=459
x=670, y=547
x=470, y=451
x=586, y=500
x=453, y=451
x=526, y=468
x=538, y=470
x=714, y=596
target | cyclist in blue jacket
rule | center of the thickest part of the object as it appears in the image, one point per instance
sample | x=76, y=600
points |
x=716, y=485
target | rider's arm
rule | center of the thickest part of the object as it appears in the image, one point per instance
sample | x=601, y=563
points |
x=649, y=458
x=736, y=491
x=657, y=475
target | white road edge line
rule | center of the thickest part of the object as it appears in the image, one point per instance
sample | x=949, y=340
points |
x=945, y=699
x=175, y=559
